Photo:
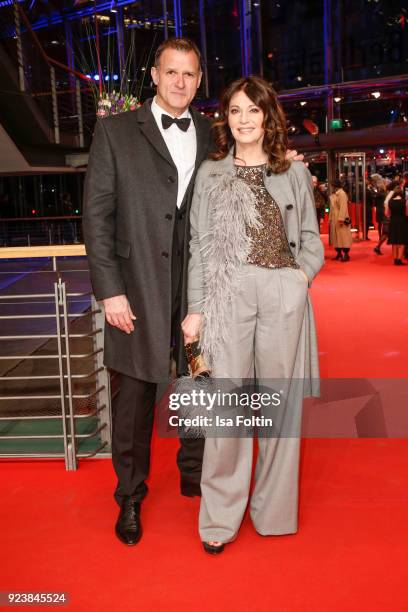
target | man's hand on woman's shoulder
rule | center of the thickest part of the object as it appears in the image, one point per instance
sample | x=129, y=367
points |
x=293, y=155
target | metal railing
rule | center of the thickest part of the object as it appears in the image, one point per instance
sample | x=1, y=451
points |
x=28, y=231
x=55, y=399
x=64, y=95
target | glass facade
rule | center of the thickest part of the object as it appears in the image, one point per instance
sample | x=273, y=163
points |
x=373, y=39
x=293, y=37
x=316, y=53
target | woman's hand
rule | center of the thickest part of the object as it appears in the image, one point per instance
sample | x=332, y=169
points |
x=191, y=327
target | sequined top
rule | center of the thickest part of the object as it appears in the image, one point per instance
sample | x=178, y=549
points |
x=270, y=248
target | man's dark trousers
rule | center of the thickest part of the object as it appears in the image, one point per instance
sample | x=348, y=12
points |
x=132, y=431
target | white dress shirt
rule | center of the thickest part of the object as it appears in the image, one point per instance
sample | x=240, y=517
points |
x=182, y=147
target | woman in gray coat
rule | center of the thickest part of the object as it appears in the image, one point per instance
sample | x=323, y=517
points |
x=254, y=251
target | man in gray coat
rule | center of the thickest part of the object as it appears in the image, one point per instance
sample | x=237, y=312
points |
x=138, y=192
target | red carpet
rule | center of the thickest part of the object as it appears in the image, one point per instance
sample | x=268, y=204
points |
x=362, y=314
x=350, y=552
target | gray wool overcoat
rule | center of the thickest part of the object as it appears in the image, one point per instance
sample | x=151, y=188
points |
x=293, y=192
x=129, y=221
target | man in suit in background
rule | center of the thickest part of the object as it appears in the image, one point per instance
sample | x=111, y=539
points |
x=138, y=193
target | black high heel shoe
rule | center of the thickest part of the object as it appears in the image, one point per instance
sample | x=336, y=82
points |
x=213, y=550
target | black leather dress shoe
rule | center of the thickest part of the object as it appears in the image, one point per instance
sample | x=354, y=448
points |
x=128, y=526
x=213, y=550
x=190, y=489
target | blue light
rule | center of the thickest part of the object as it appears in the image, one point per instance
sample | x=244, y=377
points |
x=107, y=77
x=115, y=77
x=96, y=77
x=88, y=76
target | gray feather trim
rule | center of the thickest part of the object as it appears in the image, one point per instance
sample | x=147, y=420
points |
x=232, y=209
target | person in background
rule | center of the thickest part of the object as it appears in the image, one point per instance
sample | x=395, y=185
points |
x=339, y=223
x=378, y=193
x=321, y=200
x=397, y=209
x=390, y=190
x=368, y=212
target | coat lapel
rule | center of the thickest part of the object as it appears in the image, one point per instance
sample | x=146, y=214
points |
x=148, y=127
x=203, y=139
x=275, y=183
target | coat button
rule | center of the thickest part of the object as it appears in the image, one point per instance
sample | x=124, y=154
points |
x=178, y=252
x=181, y=216
x=171, y=179
x=289, y=207
x=165, y=254
x=292, y=244
x=168, y=217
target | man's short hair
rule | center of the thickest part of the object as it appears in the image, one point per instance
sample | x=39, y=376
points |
x=179, y=44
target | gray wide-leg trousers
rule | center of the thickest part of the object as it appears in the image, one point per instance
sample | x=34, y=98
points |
x=267, y=333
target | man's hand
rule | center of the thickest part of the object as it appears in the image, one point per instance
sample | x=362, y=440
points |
x=293, y=155
x=191, y=327
x=119, y=313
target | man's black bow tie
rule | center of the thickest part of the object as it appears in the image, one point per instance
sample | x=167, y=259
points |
x=183, y=123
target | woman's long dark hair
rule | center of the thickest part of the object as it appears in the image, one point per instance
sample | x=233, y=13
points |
x=275, y=143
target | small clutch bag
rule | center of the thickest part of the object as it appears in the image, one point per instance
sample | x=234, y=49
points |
x=195, y=359
x=198, y=380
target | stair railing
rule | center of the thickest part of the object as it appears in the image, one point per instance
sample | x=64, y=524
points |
x=64, y=94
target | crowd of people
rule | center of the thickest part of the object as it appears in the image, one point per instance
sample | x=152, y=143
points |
x=387, y=197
